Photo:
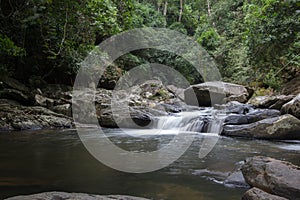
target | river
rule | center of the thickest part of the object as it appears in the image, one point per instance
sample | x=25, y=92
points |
x=56, y=160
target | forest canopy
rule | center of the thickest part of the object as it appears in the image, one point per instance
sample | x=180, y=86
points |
x=254, y=42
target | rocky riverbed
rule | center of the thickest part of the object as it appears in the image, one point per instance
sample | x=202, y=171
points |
x=261, y=117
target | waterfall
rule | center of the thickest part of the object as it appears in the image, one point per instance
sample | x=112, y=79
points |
x=194, y=121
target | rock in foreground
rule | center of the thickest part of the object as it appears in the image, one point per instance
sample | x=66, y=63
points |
x=73, y=196
x=257, y=194
x=282, y=127
x=273, y=176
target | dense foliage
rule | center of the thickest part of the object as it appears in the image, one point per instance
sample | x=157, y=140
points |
x=255, y=42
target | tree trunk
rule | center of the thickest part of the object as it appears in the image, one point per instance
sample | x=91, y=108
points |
x=166, y=8
x=180, y=11
x=208, y=8
x=209, y=11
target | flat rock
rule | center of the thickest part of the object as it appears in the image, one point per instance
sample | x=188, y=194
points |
x=257, y=194
x=273, y=176
x=73, y=196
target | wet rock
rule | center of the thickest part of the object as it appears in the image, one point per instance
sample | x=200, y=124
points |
x=236, y=119
x=273, y=176
x=272, y=102
x=15, y=117
x=261, y=114
x=235, y=107
x=282, y=127
x=251, y=117
x=200, y=95
x=74, y=196
x=292, y=107
x=257, y=194
x=292, y=87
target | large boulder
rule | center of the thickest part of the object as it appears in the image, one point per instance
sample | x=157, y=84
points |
x=74, y=196
x=273, y=176
x=292, y=107
x=282, y=127
x=257, y=194
x=272, y=102
x=200, y=95
x=292, y=87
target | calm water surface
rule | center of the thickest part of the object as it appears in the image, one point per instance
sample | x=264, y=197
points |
x=56, y=160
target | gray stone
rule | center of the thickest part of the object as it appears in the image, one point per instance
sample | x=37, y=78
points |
x=282, y=127
x=273, y=176
x=132, y=117
x=73, y=196
x=200, y=95
x=261, y=114
x=257, y=194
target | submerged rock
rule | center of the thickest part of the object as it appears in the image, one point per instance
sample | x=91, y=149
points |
x=292, y=107
x=273, y=176
x=200, y=95
x=236, y=178
x=257, y=194
x=74, y=196
x=282, y=127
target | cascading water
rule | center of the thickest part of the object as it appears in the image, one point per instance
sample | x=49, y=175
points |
x=206, y=120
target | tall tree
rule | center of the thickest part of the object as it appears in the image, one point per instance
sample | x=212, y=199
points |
x=180, y=11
